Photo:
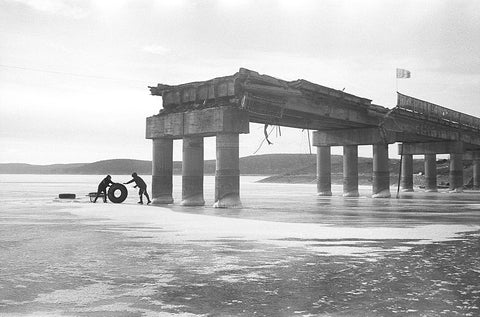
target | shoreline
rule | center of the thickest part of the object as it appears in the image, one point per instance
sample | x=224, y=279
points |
x=337, y=179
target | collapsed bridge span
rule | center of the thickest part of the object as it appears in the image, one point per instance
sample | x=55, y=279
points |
x=223, y=107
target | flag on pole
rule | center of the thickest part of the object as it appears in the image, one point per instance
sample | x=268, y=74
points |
x=403, y=73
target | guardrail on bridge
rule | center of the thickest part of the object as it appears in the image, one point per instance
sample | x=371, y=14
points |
x=437, y=113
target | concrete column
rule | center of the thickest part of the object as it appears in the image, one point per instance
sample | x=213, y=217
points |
x=406, y=179
x=456, y=172
x=431, y=173
x=324, y=171
x=192, y=171
x=381, y=171
x=350, y=171
x=227, y=173
x=476, y=173
x=162, y=171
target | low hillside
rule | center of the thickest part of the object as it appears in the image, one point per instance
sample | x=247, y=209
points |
x=115, y=167
x=20, y=168
x=290, y=168
x=253, y=165
x=307, y=173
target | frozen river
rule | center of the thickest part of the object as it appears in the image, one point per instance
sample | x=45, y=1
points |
x=286, y=253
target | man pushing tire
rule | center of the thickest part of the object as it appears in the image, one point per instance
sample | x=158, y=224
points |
x=142, y=186
x=113, y=188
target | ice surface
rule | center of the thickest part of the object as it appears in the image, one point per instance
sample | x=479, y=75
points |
x=188, y=226
x=286, y=252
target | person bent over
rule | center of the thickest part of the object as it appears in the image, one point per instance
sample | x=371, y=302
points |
x=102, y=188
x=140, y=183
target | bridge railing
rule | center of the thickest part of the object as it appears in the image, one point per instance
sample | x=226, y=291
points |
x=437, y=113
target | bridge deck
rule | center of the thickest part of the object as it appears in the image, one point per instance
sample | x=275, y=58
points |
x=269, y=100
x=305, y=105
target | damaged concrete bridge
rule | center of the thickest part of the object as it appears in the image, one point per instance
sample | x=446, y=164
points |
x=223, y=107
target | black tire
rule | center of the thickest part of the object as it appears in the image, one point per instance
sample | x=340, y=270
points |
x=66, y=196
x=123, y=193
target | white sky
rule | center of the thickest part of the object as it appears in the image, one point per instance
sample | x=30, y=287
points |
x=74, y=74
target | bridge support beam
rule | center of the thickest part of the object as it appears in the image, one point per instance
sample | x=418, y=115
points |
x=406, y=179
x=456, y=172
x=381, y=172
x=445, y=147
x=227, y=173
x=192, y=171
x=350, y=171
x=431, y=173
x=360, y=136
x=225, y=122
x=324, y=171
x=162, y=171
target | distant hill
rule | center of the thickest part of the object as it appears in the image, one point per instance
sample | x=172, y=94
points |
x=302, y=169
x=20, y=168
x=115, y=167
x=281, y=167
x=270, y=164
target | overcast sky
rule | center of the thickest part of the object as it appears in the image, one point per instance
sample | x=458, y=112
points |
x=74, y=74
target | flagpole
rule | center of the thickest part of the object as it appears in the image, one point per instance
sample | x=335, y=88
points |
x=396, y=86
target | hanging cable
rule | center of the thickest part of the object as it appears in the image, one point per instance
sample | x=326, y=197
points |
x=263, y=140
x=267, y=134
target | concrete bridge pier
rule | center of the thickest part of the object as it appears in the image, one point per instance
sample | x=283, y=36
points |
x=456, y=172
x=431, y=173
x=430, y=149
x=324, y=169
x=381, y=172
x=474, y=156
x=350, y=139
x=406, y=179
x=350, y=171
x=224, y=122
x=227, y=173
x=162, y=171
x=192, y=171
x=476, y=170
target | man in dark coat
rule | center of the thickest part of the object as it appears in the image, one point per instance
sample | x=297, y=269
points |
x=102, y=188
x=140, y=183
